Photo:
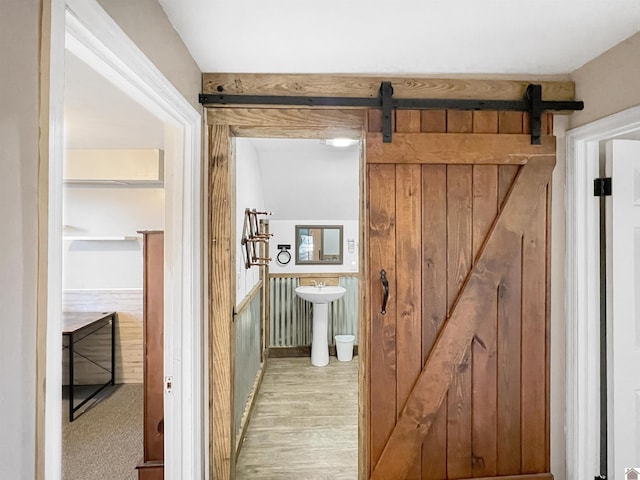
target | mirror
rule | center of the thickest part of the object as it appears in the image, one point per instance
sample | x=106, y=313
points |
x=319, y=244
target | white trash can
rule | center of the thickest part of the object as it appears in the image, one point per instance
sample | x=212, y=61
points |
x=344, y=347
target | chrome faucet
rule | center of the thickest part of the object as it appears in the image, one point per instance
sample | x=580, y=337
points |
x=318, y=284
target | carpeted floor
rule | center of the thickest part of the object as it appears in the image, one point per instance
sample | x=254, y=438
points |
x=104, y=442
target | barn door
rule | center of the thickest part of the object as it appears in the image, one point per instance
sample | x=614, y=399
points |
x=458, y=209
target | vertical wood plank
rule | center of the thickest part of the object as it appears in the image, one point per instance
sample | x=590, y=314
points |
x=459, y=259
x=374, y=120
x=434, y=301
x=408, y=283
x=485, y=121
x=408, y=121
x=382, y=255
x=533, y=419
x=506, y=176
x=510, y=122
x=509, y=361
x=220, y=301
x=459, y=121
x=433, y=121
x=484, y=361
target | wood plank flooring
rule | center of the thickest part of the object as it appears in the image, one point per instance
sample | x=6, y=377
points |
x=304, y=424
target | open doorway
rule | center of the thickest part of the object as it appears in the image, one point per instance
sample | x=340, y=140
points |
x=302, y=392
x=90, y=34
x=113, y=188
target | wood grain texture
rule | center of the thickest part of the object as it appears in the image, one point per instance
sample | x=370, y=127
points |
x=451, y=148
x=506, y=175
x=484, y=348
x=369, y=86
x=364, y=330
x=408, y=121
x=511, y=122
x=453, y=342
x=459, y=121
x=485, y=122
x=297, y=132
x=459, y=261
x=153, y=334
x=509, y=292
x=220, y=303
x=434, y=303
x=534, y=337
x=304, y=423
x=433, y=121
x=408, y=263
x=382, y=255
x=285, y=118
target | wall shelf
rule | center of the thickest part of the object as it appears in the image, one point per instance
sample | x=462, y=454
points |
x=101, y=238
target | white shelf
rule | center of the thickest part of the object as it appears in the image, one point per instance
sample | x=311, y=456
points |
x=101, y=238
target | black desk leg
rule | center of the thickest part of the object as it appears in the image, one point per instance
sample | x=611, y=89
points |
x=70, y=337
x=113, y=349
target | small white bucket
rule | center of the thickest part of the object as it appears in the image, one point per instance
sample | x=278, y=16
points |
x=344, y=347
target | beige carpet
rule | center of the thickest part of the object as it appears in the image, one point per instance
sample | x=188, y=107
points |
x=104, y=442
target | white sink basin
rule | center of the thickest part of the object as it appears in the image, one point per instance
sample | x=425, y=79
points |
x=320, y=294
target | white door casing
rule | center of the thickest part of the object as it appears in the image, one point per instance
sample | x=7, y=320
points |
x=623, y=314
x=582, y=303
x=92, y=35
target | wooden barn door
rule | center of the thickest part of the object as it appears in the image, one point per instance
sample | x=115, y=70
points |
x=458, y=215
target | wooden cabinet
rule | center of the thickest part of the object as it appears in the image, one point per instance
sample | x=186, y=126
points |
x=152, y=466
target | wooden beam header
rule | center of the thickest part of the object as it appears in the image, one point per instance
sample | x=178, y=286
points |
x=369, y=86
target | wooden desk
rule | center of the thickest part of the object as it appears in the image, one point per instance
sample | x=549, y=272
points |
x=76, y=326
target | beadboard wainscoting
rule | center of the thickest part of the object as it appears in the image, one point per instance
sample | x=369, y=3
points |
x=290, y=317
x=248, y=357
x=127, y=303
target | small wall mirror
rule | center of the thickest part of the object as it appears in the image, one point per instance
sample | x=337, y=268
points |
x=319, y=244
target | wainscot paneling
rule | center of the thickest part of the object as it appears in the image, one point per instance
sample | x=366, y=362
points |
x=248, y=357
x=127, y=303
x=291, y=317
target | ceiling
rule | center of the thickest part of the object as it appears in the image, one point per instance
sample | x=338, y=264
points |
x=98, y=115
x=401, y=37
x=304, y=179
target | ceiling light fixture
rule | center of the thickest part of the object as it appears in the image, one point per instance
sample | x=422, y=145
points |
x=341, y=142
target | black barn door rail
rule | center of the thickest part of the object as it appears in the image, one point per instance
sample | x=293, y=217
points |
x=531, y=102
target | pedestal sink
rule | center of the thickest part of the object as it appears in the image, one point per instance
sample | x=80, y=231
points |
x=320, y=297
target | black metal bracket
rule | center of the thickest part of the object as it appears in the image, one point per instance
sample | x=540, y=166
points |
x=602, y=187
x=533, y=95
x=531, y=102
x=386, y=98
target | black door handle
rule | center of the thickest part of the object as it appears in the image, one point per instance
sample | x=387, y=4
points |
x=385, y=291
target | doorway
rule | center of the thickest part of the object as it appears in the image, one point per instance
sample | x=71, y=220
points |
x=306, y=194
x=90, y=34
x=586, y=454
x=520, y=173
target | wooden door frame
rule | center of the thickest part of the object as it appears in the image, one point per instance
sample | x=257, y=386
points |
x=314, y=85
x=223, y=125
x=582, y=298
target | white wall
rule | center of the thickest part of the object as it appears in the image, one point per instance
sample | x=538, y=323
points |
x=104, y=211
x=147, y=25
x=609, y=83
x=19, y=57
x=248, y=195
x=284, y=231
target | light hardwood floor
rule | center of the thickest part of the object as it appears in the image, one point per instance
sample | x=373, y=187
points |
x=304, y=424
